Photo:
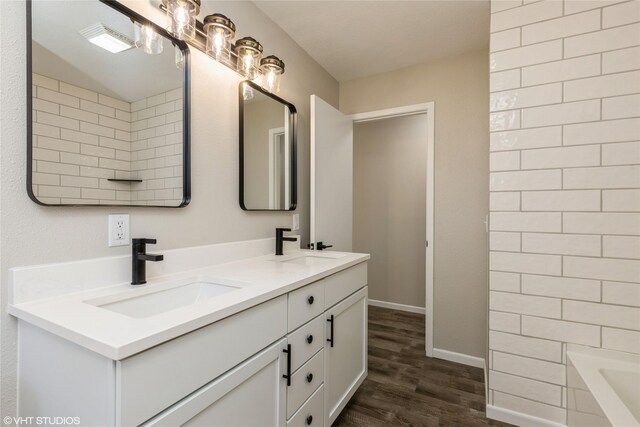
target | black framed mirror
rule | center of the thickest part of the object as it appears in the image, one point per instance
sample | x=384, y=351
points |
x=268, y=162
x=108, y=98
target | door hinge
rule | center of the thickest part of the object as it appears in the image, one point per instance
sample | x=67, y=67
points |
x=427, y=243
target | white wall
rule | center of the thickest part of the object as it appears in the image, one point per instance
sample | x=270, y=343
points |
x=565, y=198
x=31, y=234
x=459, y=87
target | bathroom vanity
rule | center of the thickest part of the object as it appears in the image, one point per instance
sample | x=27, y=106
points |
x=264, y=341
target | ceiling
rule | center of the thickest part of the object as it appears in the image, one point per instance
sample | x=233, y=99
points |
x=353, y=39
x=60, y=52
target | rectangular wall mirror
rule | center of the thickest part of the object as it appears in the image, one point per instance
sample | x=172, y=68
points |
x=108, y=107
x=267, y=151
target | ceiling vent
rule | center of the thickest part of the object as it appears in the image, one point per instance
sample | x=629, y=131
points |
x=107, y=38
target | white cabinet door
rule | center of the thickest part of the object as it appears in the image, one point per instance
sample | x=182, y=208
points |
x=252, y=394
x=345, y=352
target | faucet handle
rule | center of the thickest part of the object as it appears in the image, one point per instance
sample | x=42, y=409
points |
x=144, y=240
x=150, y=257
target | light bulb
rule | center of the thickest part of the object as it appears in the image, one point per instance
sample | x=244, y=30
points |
x=152, y=40
x=219, y=42
x=247, y=60
x=180, y=21
x=271, y=80
x=181, y=15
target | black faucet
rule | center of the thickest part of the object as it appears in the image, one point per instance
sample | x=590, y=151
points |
x=139, y=257
x=280, y=238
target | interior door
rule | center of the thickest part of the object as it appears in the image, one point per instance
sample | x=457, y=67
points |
x=331, y=177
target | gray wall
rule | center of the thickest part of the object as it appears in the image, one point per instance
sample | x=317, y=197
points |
x=389, y=210
x=31, y=234
x=459, y=86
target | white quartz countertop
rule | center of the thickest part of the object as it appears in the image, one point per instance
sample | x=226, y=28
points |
x=76, y=318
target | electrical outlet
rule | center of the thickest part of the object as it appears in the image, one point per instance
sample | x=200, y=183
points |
x=296, y=222
x=118, y=230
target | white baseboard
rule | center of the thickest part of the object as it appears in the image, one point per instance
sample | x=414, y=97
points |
x=452, y=356
x=396, y=306
x=518, y=418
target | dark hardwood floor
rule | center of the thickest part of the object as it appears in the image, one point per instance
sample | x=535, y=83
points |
x=405, y=388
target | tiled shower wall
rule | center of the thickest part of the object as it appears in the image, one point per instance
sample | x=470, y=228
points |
x=156, y=148
x=82, y=138
x=565, y=193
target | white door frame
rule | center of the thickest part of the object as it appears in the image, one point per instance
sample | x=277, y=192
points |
x=273, y=192
x=409, y=110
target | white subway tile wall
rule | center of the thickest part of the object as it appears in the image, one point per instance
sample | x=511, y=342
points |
x=82, y=138
x=564, y=192
x=156, y=148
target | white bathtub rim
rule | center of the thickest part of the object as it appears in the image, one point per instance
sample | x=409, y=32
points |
x=588, y=362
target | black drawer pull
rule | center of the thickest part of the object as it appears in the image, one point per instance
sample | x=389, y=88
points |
x=310, y=300
x=309, y=378
x=310, y=339
x=309, y=420
x=330, y=320
x=287, y=376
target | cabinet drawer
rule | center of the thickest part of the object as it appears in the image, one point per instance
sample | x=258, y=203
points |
x=304, y=382
x=153, y=380
x=223, y=402
x=311, y=413
x=342, y=284
x=301, y=348
x=305, y=304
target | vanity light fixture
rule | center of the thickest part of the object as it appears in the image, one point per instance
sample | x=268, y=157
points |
x=107, y=38
x=249, y=52
x=147, y=39
x=181, y=16
x=214, y=37
x=271, y=68
x=219, y=31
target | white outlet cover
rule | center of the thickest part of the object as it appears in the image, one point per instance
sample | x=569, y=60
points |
x=119, y=230
x=295, y=226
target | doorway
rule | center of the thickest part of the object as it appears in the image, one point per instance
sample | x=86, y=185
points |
x=393, y=207
x=331, y=179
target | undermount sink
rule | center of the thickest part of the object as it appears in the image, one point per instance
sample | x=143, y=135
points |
x=311, y=260
x=151, y=304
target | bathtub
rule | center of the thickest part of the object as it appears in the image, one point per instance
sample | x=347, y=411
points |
x=603, y=388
